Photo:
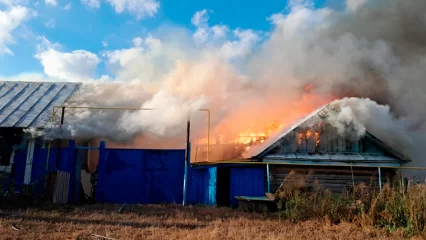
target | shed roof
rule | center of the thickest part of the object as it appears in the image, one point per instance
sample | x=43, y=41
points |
x=29, y=104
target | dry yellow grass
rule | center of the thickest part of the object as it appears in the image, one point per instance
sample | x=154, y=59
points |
x=170, y=222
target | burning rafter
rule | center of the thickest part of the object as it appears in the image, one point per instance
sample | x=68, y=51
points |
x=242, y=143
x=311, y=133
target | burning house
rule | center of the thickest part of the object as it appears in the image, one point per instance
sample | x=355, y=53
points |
x=313, y=147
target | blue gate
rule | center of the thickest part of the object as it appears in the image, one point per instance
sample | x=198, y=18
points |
x=140, y=176
x=247, y=181
x=202, y=186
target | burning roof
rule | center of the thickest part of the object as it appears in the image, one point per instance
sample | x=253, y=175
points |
x=252, y=152
x=316, y=136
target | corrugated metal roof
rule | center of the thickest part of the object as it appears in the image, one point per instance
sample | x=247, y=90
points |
x=29, y=104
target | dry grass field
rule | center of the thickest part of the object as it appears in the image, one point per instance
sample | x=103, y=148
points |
x=170, y=222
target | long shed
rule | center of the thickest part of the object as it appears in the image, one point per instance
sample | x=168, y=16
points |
x=28, y=161
x=26, y=105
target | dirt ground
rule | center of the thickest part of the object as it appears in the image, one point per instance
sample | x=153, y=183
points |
x=169, y=222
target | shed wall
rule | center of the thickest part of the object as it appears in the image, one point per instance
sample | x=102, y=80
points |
x=335, y=179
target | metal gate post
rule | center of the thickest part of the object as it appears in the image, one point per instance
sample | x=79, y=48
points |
x=187, y=161
x=268, y=177
x=101, y=172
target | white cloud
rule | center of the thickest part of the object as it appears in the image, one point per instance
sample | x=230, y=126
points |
x=200, y=18
x=219, y=31
x=51, y=2
x=50, y=24
x=11, y=2
x=78, y=65
x=154, y=45
x=204, y=32
x=201, y=35
x=300, y=4
x=146, y=60
x=28, y=77
x=301, y=20
x=139, y=8
x=6, y=2
x=92, y=3
x=231, y=49
x=104, y=43
x=68, y=6
x=9, y=21
x=243, y=46
x=354, y=5
x=137, y=42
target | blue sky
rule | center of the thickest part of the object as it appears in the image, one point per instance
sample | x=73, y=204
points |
x=77, y=25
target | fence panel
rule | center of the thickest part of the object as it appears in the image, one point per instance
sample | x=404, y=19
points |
x=141, y=176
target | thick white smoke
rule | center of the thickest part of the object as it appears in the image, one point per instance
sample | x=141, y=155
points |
x=374, y=50
x=355, y=116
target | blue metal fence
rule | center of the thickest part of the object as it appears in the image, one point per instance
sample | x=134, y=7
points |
x=40, y=167
x=140, y=176
x=39, y=170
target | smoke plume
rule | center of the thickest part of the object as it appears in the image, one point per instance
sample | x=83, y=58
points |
x=373, y=52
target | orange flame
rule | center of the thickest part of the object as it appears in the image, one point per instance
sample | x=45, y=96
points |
x=317, y=140
x=251, y=136
x=307, y=135
x=242, y=128
x=299, y=141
